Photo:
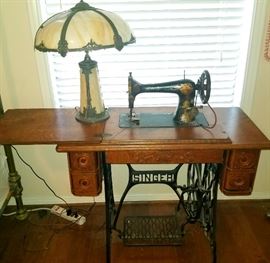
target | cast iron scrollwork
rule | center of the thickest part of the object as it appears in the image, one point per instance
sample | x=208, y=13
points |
x=199, y=199
x=198, y=194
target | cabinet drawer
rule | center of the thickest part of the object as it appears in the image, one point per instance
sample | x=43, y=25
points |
x=85, y=184
x=85, y=174
x=239, y=172
x=83, y=161
x=243, y=159
x=238, y=181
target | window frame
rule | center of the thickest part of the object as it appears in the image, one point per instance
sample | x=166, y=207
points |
x=253, y=49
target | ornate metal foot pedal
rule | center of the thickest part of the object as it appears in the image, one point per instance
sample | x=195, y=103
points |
x=197, y=197
x=151, y=230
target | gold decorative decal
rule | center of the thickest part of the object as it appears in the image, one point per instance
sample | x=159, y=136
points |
x=186, y=88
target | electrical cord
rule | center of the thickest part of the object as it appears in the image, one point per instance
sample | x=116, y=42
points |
x=213, y=111
x=47, y=231
x=29, y=210
x=54, y=225
x=39, y=177
x=54, y=193
x=68, y=224
x=215, y=117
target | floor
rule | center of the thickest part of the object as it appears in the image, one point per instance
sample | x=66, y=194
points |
x=243, y=235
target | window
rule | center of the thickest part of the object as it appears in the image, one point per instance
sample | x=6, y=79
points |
x=174, y=39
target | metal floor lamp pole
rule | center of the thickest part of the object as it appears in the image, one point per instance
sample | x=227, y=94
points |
x=14, y=180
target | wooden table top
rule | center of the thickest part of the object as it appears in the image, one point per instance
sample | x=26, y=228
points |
x=234, y=130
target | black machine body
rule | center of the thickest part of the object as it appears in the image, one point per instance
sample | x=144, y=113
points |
x=186, y=112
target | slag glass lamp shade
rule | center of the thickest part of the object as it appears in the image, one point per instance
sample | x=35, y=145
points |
x=85, y=28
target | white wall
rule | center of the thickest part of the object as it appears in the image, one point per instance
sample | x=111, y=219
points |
x=22, y=86
x=256, y=95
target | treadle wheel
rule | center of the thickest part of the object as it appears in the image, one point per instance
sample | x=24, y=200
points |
x=204, y=86
x=199, y=197
x=207, y=214
x=192, y=204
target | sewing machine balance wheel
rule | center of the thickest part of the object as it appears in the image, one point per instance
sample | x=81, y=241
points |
x=204, y=86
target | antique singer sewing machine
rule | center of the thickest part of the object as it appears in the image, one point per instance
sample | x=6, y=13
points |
x=197, y=196
x=187, y=112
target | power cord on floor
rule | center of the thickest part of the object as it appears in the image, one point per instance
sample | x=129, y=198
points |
x=39, y=177
x=52, y=226
x=46, y=231
x=29, y=210
x=70, y=211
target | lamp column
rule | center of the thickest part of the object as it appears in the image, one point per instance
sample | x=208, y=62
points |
x=92, y=108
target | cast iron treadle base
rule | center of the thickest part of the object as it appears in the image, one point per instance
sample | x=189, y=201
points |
x=151, y=230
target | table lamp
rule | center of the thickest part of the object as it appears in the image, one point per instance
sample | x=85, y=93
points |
x=85, y=28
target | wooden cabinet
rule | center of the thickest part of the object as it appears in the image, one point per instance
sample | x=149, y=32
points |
x=85, y=173
x=237, y=177
x=239, y=171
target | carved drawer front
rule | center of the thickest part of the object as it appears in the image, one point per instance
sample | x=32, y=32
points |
x=85, y=184
x=85, y=173
x=238, y=182
x=239, y=172
x=246, y=159
x=165, y=156
x=83, y=161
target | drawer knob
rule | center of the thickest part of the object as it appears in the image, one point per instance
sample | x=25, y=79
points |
x=84, y=183
x=83, y=161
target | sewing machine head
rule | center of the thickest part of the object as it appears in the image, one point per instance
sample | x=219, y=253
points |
x=187, y=91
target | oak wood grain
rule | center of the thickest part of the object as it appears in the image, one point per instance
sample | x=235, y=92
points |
x=46, y=126
x=234, y=130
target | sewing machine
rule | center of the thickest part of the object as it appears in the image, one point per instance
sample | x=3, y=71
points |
x=187, y=112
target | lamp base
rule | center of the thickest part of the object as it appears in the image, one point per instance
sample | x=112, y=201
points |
x=92, y=118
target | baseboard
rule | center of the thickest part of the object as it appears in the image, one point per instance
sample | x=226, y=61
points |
x=253, y=196
x=136, y=197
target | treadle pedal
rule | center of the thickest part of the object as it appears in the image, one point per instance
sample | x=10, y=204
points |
x=151, y=230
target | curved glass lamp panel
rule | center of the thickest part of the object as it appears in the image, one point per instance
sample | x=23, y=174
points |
x=49, y=33
x=88, y=28
x=122, y=27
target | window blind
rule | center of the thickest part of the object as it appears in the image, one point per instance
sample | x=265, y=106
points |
x=174, y=39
